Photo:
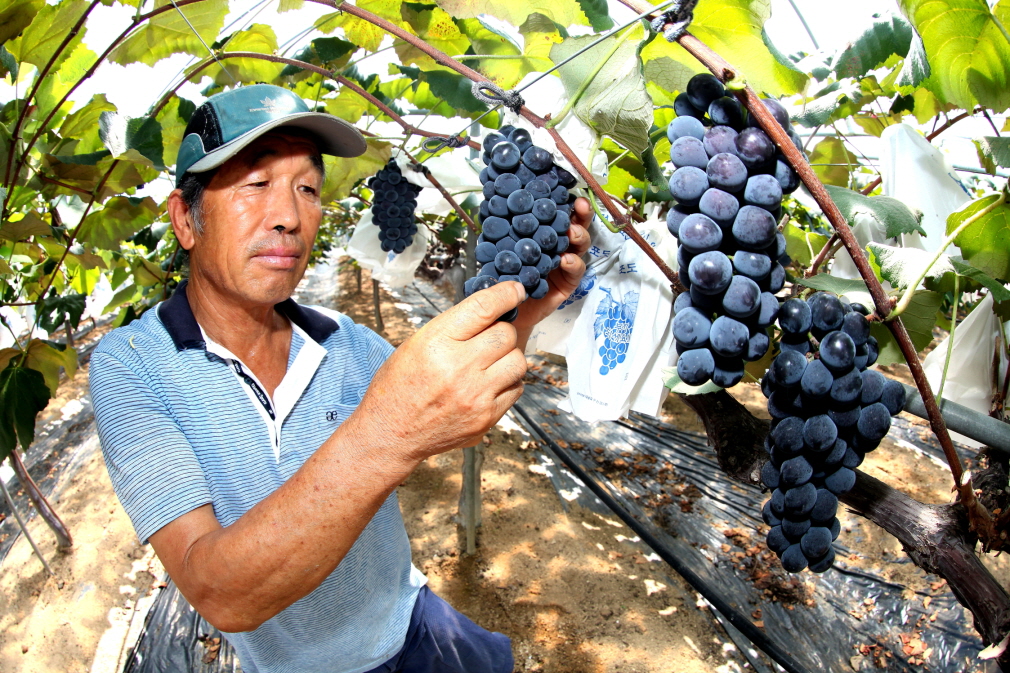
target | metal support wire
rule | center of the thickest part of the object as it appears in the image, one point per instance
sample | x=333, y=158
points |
x=733, y=615
x=206, y=46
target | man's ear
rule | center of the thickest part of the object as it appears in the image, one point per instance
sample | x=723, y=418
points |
x=182, y=220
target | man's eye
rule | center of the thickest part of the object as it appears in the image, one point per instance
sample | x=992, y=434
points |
x=310, y=189
x=261, y=183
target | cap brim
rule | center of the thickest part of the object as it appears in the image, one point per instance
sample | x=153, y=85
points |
x=335, y=136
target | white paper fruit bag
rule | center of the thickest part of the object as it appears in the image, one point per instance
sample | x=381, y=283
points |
x=386, y=267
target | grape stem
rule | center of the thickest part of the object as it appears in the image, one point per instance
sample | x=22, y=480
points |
x=906, y=299
x=980, y=519
x=950, y=338
x=823, y=255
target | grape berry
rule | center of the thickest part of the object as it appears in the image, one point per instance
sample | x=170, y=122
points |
x=393, y=203
x=828, y=411
x=524, y=215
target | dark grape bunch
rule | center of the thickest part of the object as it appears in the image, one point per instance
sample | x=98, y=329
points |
x=524, y=215
x=393, y=203
x=728, y=182
x=828, y=411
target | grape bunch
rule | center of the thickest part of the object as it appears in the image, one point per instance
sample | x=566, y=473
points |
x=728, y=183
x=828, y=411
x=393, y=203
x=524, y=215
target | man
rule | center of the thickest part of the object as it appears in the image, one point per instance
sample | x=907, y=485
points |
x=258, y=444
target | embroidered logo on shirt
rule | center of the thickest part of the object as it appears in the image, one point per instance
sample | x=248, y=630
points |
x=332, y=415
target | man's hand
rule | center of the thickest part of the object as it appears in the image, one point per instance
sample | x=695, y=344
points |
x=562, y=281
x=450, y=382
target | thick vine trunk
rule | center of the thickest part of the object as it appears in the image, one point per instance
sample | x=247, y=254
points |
x=63, y=538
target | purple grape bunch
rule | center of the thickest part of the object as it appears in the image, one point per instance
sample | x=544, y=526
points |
x=524, y=216
x=828, y=411
x=728, y=182
x=393, y=203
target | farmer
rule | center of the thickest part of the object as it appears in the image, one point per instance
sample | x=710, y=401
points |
x=258, y=443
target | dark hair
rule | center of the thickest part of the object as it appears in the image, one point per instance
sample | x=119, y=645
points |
x=193, y=186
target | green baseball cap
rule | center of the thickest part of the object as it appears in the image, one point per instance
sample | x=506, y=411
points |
x=227, y=122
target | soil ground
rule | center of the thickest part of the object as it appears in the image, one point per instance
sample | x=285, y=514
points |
x=570, y=588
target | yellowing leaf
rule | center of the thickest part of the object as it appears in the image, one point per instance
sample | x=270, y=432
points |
x=121, y=218
x=833, y=162
x=169, y=33
x=563, y=12
x=437, y=29
x=343, y=174
x=30, y=225
x=46, y=33
x=47, y=360
x=259, y=38
x=85, y=120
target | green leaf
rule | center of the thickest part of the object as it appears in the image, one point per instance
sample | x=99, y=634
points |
x=121, y=218
x=506, y=63
x=16, y=15
x=986, y=243
x=168, y=33
x=84, y=121
x=366, y=35
x=919, y=319
x=828, y=283
x=832, y=161
x=968, y=51
x=54, y=311
x=23, y=394
x=998, y=290
x=615, y=103
x=58, y=83
x=598, y=14
x=173, y=119
x=333, y=51
x=436, y=28
x=39, y=41
x=143, y=134
x=619, y=181
x=916, y=68
x=343, y=174
x=835, y=101
x=8, y=64
x=455, y=90
x=515, y=12
x=901, y=266
x=672, y=381
x=886, y=37
x=802, y=245
x=893, y=215
x=995, y=150
x=30, y=225
x=733, y=29
x=47, y=358
x=258, y=38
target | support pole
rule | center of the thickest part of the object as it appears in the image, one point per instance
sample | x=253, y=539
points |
x=379, y=326
x=24, y=528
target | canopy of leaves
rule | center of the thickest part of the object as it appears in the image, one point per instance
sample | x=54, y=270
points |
x=561, y=12
x=169, y=33
x=985, y=243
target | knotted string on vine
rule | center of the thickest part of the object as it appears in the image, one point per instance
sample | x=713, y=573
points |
x=674, y=22
x=493, y=95
x=435, y=143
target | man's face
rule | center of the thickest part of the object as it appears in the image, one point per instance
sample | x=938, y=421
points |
x=261, y=212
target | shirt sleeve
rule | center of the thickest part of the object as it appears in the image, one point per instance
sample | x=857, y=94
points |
x=152, y=465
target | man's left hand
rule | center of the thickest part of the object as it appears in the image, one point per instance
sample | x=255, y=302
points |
x=564, y=280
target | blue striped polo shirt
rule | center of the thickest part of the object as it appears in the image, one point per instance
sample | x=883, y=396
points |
x=184, y=424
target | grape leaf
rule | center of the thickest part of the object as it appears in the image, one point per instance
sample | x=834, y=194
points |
x=901, y=266
x=832, y=162
x=173, y=119
x=23, y=394
x=985, y=243
x=801, y=245
x=968, y=51
x=83, y=121
x=999, y=291
x=343, y=174
x=366, y=35
x=30, y=225
x=121, y=134
x=54, y=311
x=832, y=102
x=503, y=65
x=893, y=215
x=258, y=38
x=887, y=36
x=598, y=14
x=169, y=33
x=47, y=358
x=8, y=64
x=435, y=27
x=733, y=29
x=16, y=15
x=672, y=381
x=56, y=85
x=122, y=217
x=919, y=319
x=40, y=40
x=615, y=103
x=994, y=150
x=828, y=283
x=562, y=12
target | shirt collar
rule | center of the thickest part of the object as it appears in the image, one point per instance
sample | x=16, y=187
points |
x=177, y=317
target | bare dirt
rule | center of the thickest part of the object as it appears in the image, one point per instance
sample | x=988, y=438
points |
x=570, y=587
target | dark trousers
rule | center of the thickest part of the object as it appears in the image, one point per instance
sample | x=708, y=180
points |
x=442, y=640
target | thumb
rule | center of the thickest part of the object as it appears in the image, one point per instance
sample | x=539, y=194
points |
x=480, y=310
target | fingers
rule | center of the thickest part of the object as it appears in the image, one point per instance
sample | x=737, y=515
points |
x=507, y=371
x=496, y=342
x=582, y=212
x=479, y=311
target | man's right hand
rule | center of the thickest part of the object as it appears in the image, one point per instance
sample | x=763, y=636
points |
x=450, y=382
